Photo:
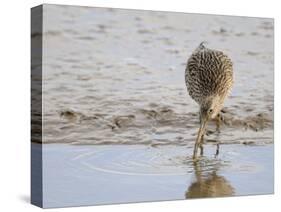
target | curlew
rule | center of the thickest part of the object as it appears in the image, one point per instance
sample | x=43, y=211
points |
x=209, y=78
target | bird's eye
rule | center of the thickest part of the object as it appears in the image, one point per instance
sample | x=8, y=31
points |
x=210, y=110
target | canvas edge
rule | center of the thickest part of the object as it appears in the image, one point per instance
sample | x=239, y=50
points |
x=36, y=190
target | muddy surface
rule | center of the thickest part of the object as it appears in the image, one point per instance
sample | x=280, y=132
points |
x=116, y=77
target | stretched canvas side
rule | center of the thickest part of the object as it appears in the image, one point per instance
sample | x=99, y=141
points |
x=36, y=105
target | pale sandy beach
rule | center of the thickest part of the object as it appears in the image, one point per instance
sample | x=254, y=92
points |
x=118, y=123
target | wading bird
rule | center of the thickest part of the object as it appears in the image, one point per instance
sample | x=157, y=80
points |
x=209, y=78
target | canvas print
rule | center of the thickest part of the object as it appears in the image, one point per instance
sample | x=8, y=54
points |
x=134, y=106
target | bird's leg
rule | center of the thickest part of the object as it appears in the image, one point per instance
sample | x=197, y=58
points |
x=201, y=145
x=218, y=119
x=217, y=150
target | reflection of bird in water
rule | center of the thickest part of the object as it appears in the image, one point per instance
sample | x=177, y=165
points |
x=209, y=78
x=208, y=185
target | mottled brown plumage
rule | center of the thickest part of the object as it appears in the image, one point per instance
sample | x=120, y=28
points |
x=209, y=78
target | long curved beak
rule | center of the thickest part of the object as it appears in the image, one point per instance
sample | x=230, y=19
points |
x=200, y=134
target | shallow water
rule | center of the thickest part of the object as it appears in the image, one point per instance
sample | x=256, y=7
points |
x=114, y=89
x=92, y=175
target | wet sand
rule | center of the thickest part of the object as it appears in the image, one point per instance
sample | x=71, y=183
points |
x=102, y=86
x=114, y=87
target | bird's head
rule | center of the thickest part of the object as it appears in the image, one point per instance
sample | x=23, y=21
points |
x=210, y=108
